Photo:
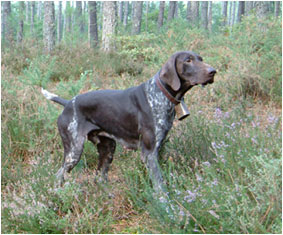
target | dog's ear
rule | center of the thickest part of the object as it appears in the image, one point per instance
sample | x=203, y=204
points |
x=169, y=73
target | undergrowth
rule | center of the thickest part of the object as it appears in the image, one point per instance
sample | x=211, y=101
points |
x=222, y=164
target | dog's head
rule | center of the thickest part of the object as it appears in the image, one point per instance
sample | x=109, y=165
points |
x=186, y=69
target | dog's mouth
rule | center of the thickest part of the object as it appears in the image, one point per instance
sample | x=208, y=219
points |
x=210, y=81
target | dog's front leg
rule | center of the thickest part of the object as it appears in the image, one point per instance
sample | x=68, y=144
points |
x=151, y=161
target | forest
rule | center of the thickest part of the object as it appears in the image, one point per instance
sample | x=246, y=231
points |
x=222, y=164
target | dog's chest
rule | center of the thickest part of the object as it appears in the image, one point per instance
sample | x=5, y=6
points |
x=162, y=110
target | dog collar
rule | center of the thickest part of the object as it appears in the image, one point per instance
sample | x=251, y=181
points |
x=166, y=92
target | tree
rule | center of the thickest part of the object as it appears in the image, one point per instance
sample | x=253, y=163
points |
x=262, y=9
x=137, y=17
x=59, y=22
x=92, y=24
x=204, y=8
x=209, y=13
x=49, y=26
x=160, y=14
x=277, y=9
x=171, y=11
x=79, y=18
x=224, y=12
x=249, y=5
x=126, y=13
x=68, y=18
x=32, y=18
x=121, y=6
x=195, y=12
x=109, y=26
x=241, y=11
x=21, y=22
x=7, y=34
x=189, y=11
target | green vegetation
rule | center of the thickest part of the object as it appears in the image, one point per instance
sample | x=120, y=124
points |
x=222, y=164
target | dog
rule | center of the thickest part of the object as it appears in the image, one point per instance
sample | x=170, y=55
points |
x=139, y=116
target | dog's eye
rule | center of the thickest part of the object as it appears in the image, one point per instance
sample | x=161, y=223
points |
x=189, y=59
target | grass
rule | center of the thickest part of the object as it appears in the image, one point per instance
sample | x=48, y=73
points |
x=222, y=164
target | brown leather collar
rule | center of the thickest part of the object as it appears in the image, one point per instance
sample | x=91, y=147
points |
x=165, y=92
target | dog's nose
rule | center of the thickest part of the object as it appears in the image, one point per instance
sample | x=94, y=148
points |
x=211, y=71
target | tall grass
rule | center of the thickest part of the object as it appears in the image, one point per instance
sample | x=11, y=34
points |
x=222, y=164
x=223, y=177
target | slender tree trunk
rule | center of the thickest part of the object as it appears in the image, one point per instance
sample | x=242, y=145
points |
x=262, y=9
x=195, y=12
x=161, y=14
x=32, y=18
x=121, y=8
x=109, y=25
x=28, y=11
x=209, y=13
x=39, y=10
x=277, y=9
x=224, y=13
x=68, y=18
x=249, y=5
x=176, y=13
x=92, y=24
x=126, y=13
x=171, y=11
x=204, y=7
x=189, y=12
x=241, y=11
x=21, y=22
x=79, y=18
x=49, y=26
x=7, y=34
x=234, y=12
x=146, y=15
x=59, y=22
x=136, y=27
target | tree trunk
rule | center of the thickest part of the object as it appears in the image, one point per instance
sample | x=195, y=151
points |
x=171, y=11
x=234, y=12
x=209, y=26
x=79, y=18
x=121, y=6
x=277, y=9
x=32, y=18
x=109, y=26
x=7, y=34
x=126, y=13
x=137, y=18
x=262, y=9
x=146, y=15
x=224, y=13
x=21, y=22
x=176, y=13
x=204, y=7
x=161, y=14
x=28, y=12
x=189, y=12
x=68, y=18
x=39, y=10
x=59, y=23
x=249, y=5
x=92, y=24
x=49, y=26
x=241, y=11
x=195, y=12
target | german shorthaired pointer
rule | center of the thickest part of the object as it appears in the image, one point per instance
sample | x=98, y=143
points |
x=138, y=116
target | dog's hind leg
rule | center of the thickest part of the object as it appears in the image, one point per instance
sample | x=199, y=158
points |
x=106, y=148
x=73, y=143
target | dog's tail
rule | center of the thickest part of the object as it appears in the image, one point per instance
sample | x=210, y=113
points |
x=53, y=97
